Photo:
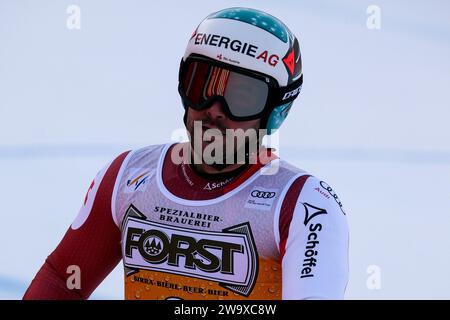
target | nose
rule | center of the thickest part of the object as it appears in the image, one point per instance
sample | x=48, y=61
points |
x=215, y=111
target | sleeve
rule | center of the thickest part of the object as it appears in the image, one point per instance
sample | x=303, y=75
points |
x=91, y=246
x=313, y=242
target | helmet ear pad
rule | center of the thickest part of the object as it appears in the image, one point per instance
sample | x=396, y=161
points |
x=275, y=118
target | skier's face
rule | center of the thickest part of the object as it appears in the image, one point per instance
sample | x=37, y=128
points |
x=215, y=118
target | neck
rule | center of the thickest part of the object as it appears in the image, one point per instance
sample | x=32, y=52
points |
x=203, y=168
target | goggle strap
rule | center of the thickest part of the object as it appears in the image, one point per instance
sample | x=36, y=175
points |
x=289, y=93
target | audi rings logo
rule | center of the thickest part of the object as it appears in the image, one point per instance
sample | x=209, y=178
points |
x=263, y=194
x=324, y=185
x=260, y=198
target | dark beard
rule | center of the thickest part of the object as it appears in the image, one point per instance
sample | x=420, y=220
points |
x=224, y=164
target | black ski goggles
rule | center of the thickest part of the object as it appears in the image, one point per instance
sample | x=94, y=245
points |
x=244, y=95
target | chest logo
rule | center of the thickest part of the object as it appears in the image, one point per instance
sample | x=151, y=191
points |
x=261, y=198
x=137, y=180
x=228, y=257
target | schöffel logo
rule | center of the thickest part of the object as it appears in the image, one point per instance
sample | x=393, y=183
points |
x=312, y=212
x=262, y=194
x=228, y=257
x=215, y=185
x=312, y=245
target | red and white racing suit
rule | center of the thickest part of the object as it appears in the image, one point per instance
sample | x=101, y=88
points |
x=269, y=231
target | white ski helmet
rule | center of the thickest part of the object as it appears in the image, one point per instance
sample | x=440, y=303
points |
x=251, y=40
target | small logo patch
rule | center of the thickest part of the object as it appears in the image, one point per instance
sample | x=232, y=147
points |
x=261, y=198
x=138, y=179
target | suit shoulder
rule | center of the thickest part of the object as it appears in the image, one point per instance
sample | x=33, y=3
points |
x=317, y=191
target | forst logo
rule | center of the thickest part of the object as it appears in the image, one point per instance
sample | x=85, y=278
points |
x=228, y=256
x=235, y=45
x=156, y=248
